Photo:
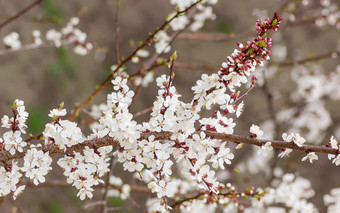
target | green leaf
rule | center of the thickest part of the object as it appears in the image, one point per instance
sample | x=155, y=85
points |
x=225, y=28
x=116, y=201
x=14, y=106
x=52, y=206
x=37, y=120
x=53, y=12
x=262, y=44
x=274, y=22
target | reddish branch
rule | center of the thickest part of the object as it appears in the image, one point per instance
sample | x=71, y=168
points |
x=330, y=54
x=213, y=36
x=213, y=68
x=145, y=43
x=107, y=141
x=16, y=16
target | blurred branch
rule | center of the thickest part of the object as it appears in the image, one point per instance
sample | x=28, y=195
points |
x=58, y=183
x=196, y=66
x=112, y=162
x=142, y=112
x=331, y=54
x=23, y=11
x=107, y=186
x=117, y=32
x=32, y=46
x=40, y=20
x=213, y=36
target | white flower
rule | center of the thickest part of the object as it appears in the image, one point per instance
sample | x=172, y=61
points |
x=36, y=165
x=162, y=42
x=336, y=160
x=13, y=142
x=54, y=36
x=287, y=138
x=143, y=53
x=80, y=50
x=178, y=23
x=65, y=134
x=125, y=192
x=18, y=191
x=285, y=152
x=263, y=151
x=310, y=156
x=6, y=122
x=255, y=131
x=36, y=37
x=120, y=83
x=298, y=139
x=223, y=156
x=85, y=192
x=239, y=109
x=12, y=41
x=57, y=113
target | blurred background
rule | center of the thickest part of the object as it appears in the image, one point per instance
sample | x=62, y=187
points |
x=46, y=76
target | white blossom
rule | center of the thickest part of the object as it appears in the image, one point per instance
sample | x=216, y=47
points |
x=263, y=151
x=311, y=156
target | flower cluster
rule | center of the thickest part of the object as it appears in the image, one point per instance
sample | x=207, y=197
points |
x=85, y=170
x=333, y=143
x=181, y=137
x=195, y=21
x=36, y=165
x=63, y=133
x=9, y=178
x=68, y=35
x=291, y=191
x=12, y=41
x=242, y=62
x=332, y=200
x=12, y=140
x=124, y=189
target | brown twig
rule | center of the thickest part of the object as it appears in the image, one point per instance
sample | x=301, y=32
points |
x=16, y=16
x=145, y=43
x=117, y=32
x=310, y=59
x=58, y=183
x=107, y=187
x=213, y=36
x=164, y=135
x=142, y=112
x=32, y=46
x=245, y=93
x=178, y=203
x=196, y=66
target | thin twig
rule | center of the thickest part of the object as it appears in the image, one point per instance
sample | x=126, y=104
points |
x=107, y=186
x=213, y=36
x=142, y=112
x=330, y=54
x=59, y=183
x=196, y=66
x=145, y=43
x=16, y=16
x=245, y=93
x=97, y=203
x=136, y=92
x=117, y=32
x=33, y=46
